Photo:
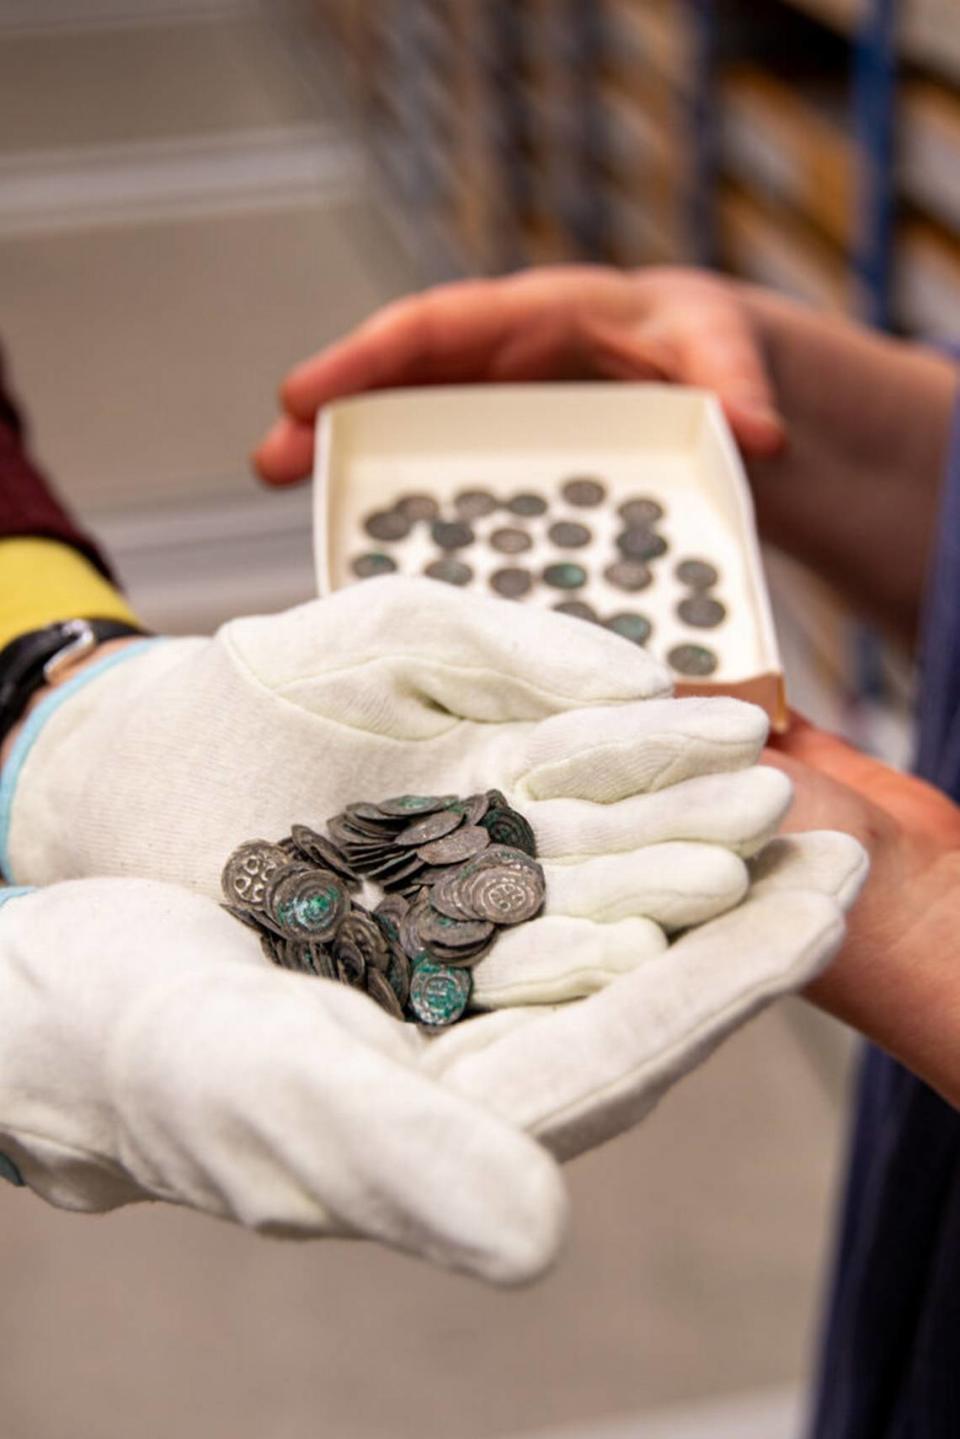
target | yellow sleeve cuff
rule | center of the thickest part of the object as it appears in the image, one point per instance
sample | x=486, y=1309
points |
x=43, y=581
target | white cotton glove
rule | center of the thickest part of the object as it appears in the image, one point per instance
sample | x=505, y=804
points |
x=148, y=1051
x=644, y=807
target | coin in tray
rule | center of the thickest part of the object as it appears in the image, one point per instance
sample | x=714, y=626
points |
x=620, y=548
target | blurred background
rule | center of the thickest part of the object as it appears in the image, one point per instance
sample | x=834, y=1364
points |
x=193, y=195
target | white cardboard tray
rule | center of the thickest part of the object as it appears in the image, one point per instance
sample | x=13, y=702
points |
x=663, y=441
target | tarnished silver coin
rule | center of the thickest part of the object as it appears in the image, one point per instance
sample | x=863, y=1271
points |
x=451, y=534
x=462, y=844
x=439, y=993
x=307, y=904
x=583, y=491
x=508, y=541
x=380, y=989
x=272, y=946
x=398, y=975
x=503, y=894
x=309, y=958
x=468, y=934
x=698, y=574
x=701, y=611
x=367, y=567
x=321, y=851
x=565, y=576
x=632, y=626
x=568, y=536
x=641, y=512
x=417, y=507
x=512, y=582
x=629, y=575
x=410, y=940
x=694, y=660
x=452, y=572
x=432, y=826
x=362, y=930
x=387, y=525
x=527, y=504
x=350, y=964
x=576, y=609
x=641, y=544
x=506, y=826
x=250, y=870
x=473, y=808
x=388, y=915
x=402, y=805
x=473, y=504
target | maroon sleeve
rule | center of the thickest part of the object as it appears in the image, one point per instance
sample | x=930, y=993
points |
x=28, y=503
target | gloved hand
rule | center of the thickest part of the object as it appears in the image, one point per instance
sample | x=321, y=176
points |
x=643, y=806
x=147, y=1050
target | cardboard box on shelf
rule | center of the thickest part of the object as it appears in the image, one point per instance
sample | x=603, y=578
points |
x=791, y=145
x=927, y=297
x=930, y=35
x=658, y=35
x=768, y=245
x=930, y=148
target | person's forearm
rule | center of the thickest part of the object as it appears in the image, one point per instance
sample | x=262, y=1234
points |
x=897, y=981
x=854, y=493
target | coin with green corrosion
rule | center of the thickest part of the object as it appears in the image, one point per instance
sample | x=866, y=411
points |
x=631, y=625
x=439, y=993
x=366, y=567
x=565, y=576
x=695, y=660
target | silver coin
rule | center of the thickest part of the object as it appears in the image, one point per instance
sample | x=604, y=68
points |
x=349, y=961
x=387, y=525
x=321, y=851
x=398, y=975
x=569, y=536
x=473, y=808
x=507, y=826
x=694, y=660
x=451, y=534
x=640, y=512
x=417, y=507
x=473, y=504
x=629, y=575
x=307, y=904
x=565, y=576
x=641, y=544
x=367, y=567
x=503, y=894
x=462, y=844
x=583, y=492
x=469, y=934
x=452, y=572
x=577, y=609
x=698, y=574
x=527, y=504
x=439, y=993
x=404, y=805
x=511, y=583
x=250, y=870
x=632, y=626
x=380, y=989
x=361, y=929
x=410, y=940
x=432, y=826
x=510, y=541
x=702, y=612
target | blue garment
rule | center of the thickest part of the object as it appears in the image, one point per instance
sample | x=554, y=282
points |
x=890, y=1366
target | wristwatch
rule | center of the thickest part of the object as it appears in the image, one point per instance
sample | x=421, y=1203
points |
x=37, y=658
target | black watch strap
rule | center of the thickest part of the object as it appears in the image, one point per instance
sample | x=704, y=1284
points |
x=32, y=660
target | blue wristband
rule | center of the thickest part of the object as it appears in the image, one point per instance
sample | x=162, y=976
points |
x=35, y=722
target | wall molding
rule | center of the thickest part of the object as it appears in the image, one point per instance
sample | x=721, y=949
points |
x=214, y=174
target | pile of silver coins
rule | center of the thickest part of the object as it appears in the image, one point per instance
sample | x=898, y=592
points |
x=553, y=553
x=455, y=871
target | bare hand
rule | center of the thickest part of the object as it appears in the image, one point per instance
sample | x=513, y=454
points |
x=577, y=322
